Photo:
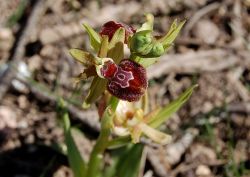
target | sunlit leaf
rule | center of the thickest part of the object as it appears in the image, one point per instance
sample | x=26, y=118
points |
x=83, y=57
x=171, y=108
x=129, y=162
x=95, y=39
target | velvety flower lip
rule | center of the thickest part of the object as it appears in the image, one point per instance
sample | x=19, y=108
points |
x=127, y=81
x=110, y=28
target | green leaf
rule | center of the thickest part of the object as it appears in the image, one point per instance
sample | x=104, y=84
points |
x=97, y=87
x=169, y=38
x=119, y=142
x=171, y=108
x=75, y=159
x=83, y=57
x=95, y=39
x=148, y=25
x=129, y=162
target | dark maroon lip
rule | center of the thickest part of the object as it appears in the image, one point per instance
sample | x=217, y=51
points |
x=127, y=81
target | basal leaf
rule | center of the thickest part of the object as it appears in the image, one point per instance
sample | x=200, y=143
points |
x=129, y=162
x=171, y=108
x=75, y=159
x=95, y=39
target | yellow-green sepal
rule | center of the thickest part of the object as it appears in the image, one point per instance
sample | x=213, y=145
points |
x=95, y=39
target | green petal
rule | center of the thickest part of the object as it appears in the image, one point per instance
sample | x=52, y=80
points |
x=116, y=46
x=95, y=39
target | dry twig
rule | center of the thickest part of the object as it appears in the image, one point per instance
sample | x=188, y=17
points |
x=19, y=47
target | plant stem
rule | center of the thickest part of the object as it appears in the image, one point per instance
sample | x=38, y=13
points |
x=103, y=139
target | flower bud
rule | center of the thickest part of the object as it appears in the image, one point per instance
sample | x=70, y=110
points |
x=144, y=45
x=110, y=28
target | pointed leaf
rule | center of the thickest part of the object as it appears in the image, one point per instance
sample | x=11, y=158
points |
x=95, y=39
x=169, y=38
x=171, y=108
x=83, y=57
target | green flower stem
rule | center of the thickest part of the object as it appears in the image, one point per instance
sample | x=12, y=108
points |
x=96, y=157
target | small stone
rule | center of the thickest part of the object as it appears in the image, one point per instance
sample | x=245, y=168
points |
x=34, y=63
x=207, y=31
x=7, y=118
x=203, y=170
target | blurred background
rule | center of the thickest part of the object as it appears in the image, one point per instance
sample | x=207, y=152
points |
x=211, y=132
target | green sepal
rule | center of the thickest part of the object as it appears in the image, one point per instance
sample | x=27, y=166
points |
x=169, y=38
x=97, y=87
x=95, y=39
x=149, y=24
x=85, y=58
x=171, y=108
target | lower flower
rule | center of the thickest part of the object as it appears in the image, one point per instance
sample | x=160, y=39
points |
x=130, y=120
